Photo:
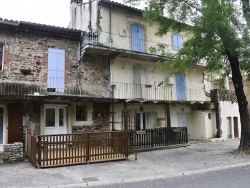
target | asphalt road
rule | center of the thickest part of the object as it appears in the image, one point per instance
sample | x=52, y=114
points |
x=229, y=178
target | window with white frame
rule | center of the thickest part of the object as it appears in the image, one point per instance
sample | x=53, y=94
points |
x=177, y=42
x=1, y=57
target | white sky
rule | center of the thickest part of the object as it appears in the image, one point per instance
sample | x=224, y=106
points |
x=50, y=12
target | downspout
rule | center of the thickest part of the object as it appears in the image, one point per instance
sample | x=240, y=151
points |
x=111, y=74
x=112, y=93
x=110, y=40
x=90, y=13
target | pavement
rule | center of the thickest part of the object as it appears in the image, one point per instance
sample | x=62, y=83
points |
x=193, y=159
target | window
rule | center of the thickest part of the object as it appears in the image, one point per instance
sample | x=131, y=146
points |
x=177, y=42
x=81, y=113
x=1, y=57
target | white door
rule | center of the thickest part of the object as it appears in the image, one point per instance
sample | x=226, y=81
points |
x=55, y=120
x=1, y=128
x=183, y=119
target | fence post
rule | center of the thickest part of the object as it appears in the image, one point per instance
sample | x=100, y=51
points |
x=39, y=148
x=126, y=143
x=186, y=135
x=152, y=137
x=87, y=148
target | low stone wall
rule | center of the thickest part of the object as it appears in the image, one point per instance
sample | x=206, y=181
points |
x=1, y=157
x=13, y=152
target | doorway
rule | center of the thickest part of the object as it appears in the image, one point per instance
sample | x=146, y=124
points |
x=146, y=120
x=15, y=123
x=229, y=124
x=55, y=120
x=2, y=134
x=236, y=130
x=183, y=119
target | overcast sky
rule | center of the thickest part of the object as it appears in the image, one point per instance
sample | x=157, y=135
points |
x=50, y=12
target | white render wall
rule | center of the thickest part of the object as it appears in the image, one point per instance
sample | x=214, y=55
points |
x=202, y=127
x=122, y=71
x=229, y=110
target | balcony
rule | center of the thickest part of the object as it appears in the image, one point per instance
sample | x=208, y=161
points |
x=124, y=42
x=46, y=90
x=144, y=92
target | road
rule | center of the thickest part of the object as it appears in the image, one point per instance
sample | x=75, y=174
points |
x=229, y=178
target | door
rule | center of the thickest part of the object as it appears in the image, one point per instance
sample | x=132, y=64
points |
x=146, y=120
x=181, y=87
x=183, y=119
x=137, y=38
x=139, y=80
x=140, y=121
x=236, y=132
x=228, y=127
x=56, y=70
x=1, y=128
x=55, y=120
x=15, y=123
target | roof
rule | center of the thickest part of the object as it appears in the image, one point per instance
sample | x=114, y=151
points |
x=121, y=6
x=43, y=29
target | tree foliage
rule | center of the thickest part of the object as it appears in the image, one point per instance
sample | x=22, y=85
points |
x=217, y=35
x=212, y=28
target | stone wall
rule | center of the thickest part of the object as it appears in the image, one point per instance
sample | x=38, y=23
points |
x=13, y=152
x=92, y=75
x=100, y=117
x=1, y=157
x=30, y=52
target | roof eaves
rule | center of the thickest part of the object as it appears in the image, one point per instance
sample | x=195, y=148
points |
x=121, y=6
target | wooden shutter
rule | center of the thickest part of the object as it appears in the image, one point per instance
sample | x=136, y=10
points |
x=179, y=42
x=137, y=38
x=181, y=87
x=140, y=39
x=56, y=69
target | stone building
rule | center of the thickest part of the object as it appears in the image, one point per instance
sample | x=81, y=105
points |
x=46, y=87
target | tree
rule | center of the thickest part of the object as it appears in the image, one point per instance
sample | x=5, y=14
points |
x=217, y=35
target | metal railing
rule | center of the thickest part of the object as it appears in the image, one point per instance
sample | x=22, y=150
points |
x=54, y=87
x=152, y=92
x=124, y=41
x=128, y=91
x=151, y=138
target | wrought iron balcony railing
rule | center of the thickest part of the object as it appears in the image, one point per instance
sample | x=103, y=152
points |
x=31, y=89
x=129, y=91
x=125, y=42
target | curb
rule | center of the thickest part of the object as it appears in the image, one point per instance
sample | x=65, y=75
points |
x=147, y=178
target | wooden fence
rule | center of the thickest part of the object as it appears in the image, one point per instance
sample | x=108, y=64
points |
x=70, y=149
x=157, y=137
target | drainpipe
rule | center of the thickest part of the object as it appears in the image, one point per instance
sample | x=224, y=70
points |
x=110, y=40
x=112, y=93
x=90, y=13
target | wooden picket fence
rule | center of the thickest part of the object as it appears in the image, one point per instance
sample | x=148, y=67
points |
x=93, y=147
x=70, y=149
